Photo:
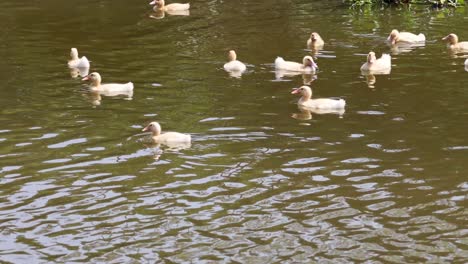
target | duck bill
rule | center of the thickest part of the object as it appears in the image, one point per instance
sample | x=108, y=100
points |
x=314, y=65
x=295, y=91
x=153, y=2
x=445, y=38
x=145, y=129
x=86, y=78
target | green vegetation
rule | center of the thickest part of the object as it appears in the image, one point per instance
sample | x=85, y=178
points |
x=434, y=3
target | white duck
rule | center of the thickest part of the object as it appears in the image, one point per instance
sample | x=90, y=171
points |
x=315, y=41
x=77, y=62
x=321, y=103
x=383, y=65
x=453, y=43
x=308, y=65
x=396, y=36
x=234, y=65
x=109, y=89
x=161, y=5
x=165, y=138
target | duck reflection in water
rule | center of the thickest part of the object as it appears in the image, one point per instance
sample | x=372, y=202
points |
x=403, y=47
x=95, y=97
x=307, y=78
x=306, y=113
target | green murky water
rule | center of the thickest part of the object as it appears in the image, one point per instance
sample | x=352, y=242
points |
x=262, y=181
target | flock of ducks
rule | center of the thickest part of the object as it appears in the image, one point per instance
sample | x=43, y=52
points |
x=373, y=65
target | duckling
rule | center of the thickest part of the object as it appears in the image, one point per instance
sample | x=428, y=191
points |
x=382, y=65
x=308, y=65
x=77, y=62
x=321, y=103
x=165, y=138
x=161, y=5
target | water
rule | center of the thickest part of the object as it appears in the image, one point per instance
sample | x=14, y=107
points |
x=262, y=182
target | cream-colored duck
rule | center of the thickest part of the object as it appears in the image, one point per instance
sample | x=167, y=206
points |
x=383, y=65
x=234, y=65
x=396, y=36
x=315, y=41
x=110, y=89
x=161, y=5
x=165, y=138
x=321, y=103
x=453, y=43
x=77, y=62
x=308, y=65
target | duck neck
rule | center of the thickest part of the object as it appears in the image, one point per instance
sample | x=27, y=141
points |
x=305, y=98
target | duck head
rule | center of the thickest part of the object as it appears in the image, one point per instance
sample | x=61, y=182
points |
x=74, y=53
x=393, y=37
x=371, y=57
x=451, y=38
x=232, y=55
x=305, y=91
x=158, y=3
x=94, y=77
x=309, y=61
x=154, y=127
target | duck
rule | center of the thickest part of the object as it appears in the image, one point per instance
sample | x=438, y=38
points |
x=110, y=89
x=165, y=138
x=382, y=65
x=453, y=43
x=321, y=103
x=161, y=5
x=308, y=65
x=234, y=65
x=77, y=62
x=315, y=41
x=396, y=36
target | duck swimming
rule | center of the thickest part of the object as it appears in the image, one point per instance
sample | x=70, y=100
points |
x=308, y=65
x=383, y=65
x=110, y=89
x=77, y=62
x=234, y=65
x=396, y=36
x=321, y=103
x=161, y=5
x=315, y=41
x=165, y=138
x=453, y=43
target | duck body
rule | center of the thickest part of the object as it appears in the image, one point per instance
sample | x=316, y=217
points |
x=382, y=65
x=166, y=138
x=407, y=37
x=315, y=41
x=77, y=62
x=109, y=89
x=234, y=65
x=308, y=65
x=161, y=5
x=321, y=103
x=454, y=44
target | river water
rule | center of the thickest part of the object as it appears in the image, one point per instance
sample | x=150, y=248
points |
x=263, y=181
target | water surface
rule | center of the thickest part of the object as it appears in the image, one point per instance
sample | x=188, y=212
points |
x=262, y=182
